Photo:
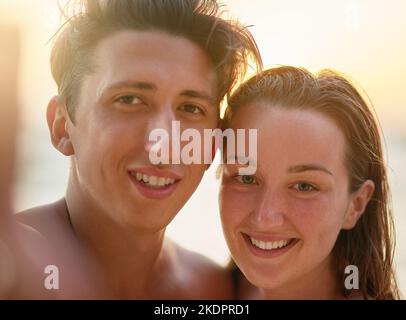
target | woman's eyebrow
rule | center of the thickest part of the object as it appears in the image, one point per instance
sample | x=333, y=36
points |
x=238, y=160
x=308, y=167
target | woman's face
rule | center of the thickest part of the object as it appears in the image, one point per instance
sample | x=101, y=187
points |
x=282, y=222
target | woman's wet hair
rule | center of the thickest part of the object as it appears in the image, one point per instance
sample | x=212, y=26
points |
x=370, y=244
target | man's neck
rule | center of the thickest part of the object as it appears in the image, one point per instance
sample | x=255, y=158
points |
x=130, y=259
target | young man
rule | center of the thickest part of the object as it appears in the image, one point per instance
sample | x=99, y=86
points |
x=124, y=68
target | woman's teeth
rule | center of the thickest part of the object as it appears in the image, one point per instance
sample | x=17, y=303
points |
x=153, y=181
x=269, y=245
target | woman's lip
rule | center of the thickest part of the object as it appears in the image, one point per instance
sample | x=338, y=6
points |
x=153, y=193
x=267, y=238
x=262, y=253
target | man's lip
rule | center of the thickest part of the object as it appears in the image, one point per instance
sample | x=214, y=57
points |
x=160, y=173
x=153, y=193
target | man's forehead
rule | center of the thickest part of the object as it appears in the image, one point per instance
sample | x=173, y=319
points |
x=118, y=63
x=151, y=45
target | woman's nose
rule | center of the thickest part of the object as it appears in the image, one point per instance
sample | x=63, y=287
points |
x=270, y=209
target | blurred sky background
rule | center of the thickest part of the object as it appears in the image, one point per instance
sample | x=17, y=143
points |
x=363, y=38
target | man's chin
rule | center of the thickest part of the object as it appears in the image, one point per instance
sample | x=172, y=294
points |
x=146, y=221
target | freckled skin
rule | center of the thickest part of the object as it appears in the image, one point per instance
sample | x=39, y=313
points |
x=278, y=204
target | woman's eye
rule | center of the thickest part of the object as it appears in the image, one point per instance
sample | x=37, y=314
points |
x=304, y=187
x=191, y=108
x=246, y=179
x=129, y=99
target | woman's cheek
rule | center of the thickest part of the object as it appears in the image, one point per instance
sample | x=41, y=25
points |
x=315, y=218
x=234, y=205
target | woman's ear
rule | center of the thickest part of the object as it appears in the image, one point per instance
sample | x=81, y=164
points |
x=57, y=119
x=359, y=201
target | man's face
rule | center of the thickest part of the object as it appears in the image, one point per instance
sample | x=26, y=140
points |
x=142, y=80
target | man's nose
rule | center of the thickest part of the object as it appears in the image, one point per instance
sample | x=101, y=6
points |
x=161, y=130
x=270, y=210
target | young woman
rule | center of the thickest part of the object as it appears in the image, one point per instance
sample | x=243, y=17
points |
x=313, y=221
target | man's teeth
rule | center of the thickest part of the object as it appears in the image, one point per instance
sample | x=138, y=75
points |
x=265, y=245
x=153, y=181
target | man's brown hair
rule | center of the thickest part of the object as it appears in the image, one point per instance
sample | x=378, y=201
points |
x=228, y=44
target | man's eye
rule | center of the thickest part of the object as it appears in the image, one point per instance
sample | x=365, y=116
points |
x=304, y=187
x=246, y=179
x=191, y=108
x=129, y=99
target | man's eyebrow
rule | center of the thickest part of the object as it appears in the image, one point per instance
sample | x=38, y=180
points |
x=141, y=85
x=308, y=167
x=199, y=95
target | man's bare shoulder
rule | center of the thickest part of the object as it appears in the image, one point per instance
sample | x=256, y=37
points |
x=48, y=219
x=206, y=279
x=77, y=270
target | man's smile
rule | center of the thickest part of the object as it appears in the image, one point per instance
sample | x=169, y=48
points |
x=154, y=183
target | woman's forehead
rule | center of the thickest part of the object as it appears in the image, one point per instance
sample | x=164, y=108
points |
x=289, y=135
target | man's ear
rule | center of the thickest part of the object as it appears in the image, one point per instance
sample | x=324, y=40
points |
x=359, y=201
x=57, y=119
